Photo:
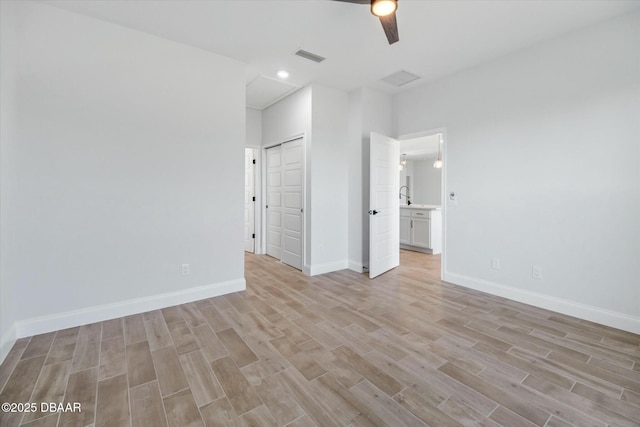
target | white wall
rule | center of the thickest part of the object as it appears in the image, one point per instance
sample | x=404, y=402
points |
x=544, y=154
x=253, y=128
x=129, y=163
x=8, y=174
x=287, y=119
x=426, y=182
x=320, y=114
x=329, y=180
x=369, y=111
x=356, y=180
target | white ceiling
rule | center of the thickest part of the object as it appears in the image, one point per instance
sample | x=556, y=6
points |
x=420, y=148
x=437, y=38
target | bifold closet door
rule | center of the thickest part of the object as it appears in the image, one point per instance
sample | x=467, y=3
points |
x=292, y=203
x=274, y=202
x=284, y=202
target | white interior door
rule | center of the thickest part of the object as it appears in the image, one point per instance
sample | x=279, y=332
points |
x=384, y=205
x=274, y=202
x=292, y=161
x=249, y=200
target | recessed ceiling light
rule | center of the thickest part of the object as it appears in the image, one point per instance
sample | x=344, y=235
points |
x=283, y=74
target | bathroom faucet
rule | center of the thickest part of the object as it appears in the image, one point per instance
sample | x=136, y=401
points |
x=405, y=195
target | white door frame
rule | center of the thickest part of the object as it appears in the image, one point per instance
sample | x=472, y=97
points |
x=263, y=191
x=443, y=187
x=252, y=211
x=257, y=178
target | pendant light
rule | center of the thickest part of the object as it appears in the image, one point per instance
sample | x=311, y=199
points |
x=403, y=162
x=438, y=163
x=383, y=7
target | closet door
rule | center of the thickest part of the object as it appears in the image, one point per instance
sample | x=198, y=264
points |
x=292, y=179
x=274, y=202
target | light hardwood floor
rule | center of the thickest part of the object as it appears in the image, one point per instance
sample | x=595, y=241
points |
x=332, y=350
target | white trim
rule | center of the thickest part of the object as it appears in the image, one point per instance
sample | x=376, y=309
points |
x=570, y=308
x=8, y=340
x=55, y=322
x=328, y=267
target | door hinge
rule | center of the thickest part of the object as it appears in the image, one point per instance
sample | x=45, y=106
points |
x=254, y=199
x=254, y=161
x=253, y=236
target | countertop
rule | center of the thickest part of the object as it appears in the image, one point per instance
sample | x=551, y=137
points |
x=417, y=206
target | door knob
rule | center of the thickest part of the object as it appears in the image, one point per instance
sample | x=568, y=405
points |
x=373, y=212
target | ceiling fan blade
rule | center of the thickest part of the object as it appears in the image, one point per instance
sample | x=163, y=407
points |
x=390, y=26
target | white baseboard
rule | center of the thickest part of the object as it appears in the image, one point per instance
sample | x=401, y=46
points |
x=570, y=308
x=8, y=340
x=328, y=267
x=69, y=319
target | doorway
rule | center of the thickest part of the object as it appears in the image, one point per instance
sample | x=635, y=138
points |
x=421, y=201
x=284, y=212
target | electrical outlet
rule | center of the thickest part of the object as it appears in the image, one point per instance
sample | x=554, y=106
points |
x=495, y=263
x=186, y=269
x=536, y=272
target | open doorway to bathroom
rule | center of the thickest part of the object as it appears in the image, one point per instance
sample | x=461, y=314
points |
x=420, y=193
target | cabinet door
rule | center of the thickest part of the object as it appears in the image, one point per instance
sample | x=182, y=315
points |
x=405, y=230
x=420, y=233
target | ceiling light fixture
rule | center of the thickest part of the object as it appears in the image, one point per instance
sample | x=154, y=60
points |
x=438, y=163
x=383, y=7
x=403, y=162
x=283, y=74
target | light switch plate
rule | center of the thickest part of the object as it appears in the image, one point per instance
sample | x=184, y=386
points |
x=453, y=198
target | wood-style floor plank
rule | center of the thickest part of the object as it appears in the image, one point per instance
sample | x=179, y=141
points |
x=169, y=371
x=63, y=346
x=220, y=413
x=140, y=367
x=201, y=379
x=147, y=408
x=81, y=388
x=112, y=406
x=336, y=349
x=182, y=411
x=112, y=357
x=236, y=347
x=20, y=385
x=12, y=360
x=39, y=345
x=241, y=395
x=49, y=388
x=87, y=351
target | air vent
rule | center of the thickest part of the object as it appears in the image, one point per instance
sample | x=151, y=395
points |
x=310, y=56
x=400, y=78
